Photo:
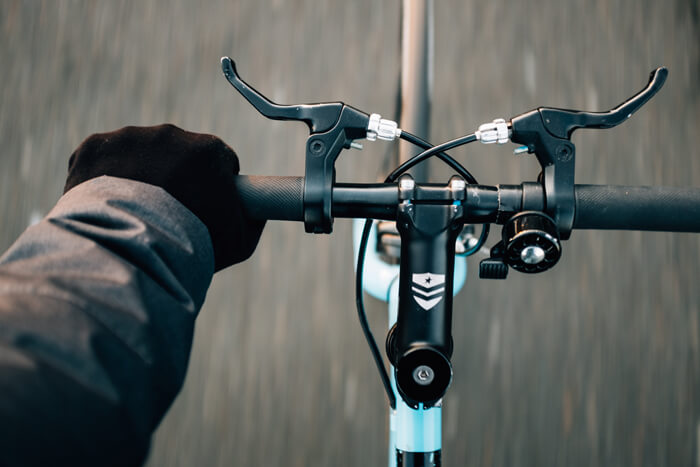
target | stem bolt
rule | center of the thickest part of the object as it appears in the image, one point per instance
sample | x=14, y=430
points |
x=423, y=375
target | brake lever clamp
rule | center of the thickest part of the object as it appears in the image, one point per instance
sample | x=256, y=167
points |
x=333, y=126
x=547, y=132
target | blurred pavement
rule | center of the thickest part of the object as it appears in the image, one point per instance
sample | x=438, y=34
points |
x=596, y=362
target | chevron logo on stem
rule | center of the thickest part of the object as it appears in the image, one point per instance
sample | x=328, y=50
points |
x=428, y=289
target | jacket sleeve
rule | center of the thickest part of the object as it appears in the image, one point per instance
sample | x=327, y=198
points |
x=97, y=309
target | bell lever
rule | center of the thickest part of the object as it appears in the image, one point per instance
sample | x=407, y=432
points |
x=562, y=122
x=333, y=127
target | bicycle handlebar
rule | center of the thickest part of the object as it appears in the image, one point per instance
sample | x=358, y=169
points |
x=272, y=198
x=611, y=207
x=605, y=207
x=535, y=216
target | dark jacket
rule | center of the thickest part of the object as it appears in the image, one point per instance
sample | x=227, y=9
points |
x=97, y=309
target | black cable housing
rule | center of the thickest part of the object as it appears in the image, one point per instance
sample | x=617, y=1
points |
x=421, y=143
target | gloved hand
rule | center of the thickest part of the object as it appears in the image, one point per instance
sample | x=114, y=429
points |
x=196, y=169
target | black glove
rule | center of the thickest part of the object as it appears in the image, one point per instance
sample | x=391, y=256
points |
x=196, y=169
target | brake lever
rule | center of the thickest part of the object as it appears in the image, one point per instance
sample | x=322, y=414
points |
x=547, y=131
x=333, y=126
x=562, y=122
x=319, y=117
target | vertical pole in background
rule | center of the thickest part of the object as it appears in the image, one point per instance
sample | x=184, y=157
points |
x=417, y=38
x=415, y=436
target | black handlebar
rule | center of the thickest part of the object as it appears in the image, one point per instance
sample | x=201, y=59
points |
x=606, y=207
x=272, y=198
x=663, y=209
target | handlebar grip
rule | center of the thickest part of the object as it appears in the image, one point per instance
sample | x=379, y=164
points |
x=614, y=207
x=272, y=198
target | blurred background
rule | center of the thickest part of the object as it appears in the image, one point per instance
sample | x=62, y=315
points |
x=596, y=362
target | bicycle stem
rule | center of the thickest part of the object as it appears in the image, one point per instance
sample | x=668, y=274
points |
x=420, y=344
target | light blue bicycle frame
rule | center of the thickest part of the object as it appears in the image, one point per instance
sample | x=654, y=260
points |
x=410, y=430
